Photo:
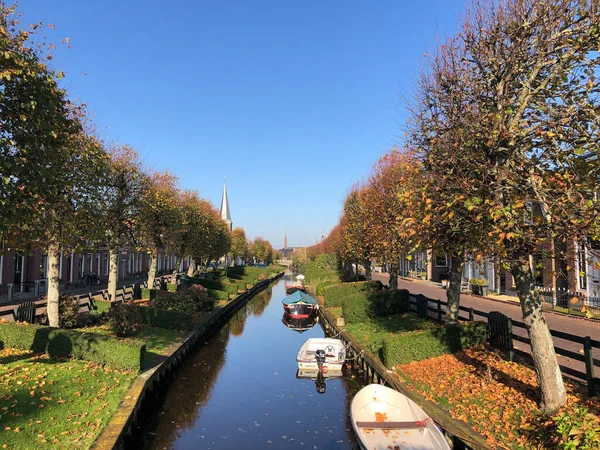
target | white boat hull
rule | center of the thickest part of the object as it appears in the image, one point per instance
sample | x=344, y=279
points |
x=335, y=354
x=384, y=419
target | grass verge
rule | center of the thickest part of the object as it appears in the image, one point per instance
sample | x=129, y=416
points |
x=55, y=403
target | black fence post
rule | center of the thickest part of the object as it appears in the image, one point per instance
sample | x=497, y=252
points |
x=511, y=349
x=471, y=315
x=589, y=365
x=439, y=310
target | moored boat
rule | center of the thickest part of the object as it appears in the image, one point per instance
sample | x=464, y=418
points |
x=383, y=419
x=321, y=354
x=300, y=305
x=295, y=286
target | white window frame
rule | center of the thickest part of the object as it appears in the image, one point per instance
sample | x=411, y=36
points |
x=435, y=260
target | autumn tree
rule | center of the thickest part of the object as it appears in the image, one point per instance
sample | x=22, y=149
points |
x=451, y=198
x=390, y=228
x=203, y=223
x=239, y=244
x=357, y=249
x=530, y=83
x=51, y=167
x=126, y=183
x=263, y=250
x=160, y=217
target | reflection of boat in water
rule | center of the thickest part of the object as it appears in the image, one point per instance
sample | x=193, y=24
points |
x=320, y=376
x=300, y=305
x=312, y=374
x=383, y=418
x=299, y=325
x=321, y=354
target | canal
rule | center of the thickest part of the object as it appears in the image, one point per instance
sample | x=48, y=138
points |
x=240, y=390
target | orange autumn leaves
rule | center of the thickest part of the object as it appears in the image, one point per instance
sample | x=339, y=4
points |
x=498, y=398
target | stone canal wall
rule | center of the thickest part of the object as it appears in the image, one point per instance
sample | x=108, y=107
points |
x=143, y=396
x=374, y=371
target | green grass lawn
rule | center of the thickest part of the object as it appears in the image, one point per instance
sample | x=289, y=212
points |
x=55, y=403
x=372, y=333
x=157, y=340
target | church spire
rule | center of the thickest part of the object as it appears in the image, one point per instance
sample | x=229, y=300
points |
x=225, y=213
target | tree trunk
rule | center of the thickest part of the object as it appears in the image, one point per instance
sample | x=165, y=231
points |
x=152, y=270
x=394, y=275
x=542, y=349
x=113, y=271
x=176, y=267
x=192, y=269
x=367, y=265
x=53, y=295
x=453, y=291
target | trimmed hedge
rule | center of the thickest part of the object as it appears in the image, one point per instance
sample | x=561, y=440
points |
x=217, y=295
x=172, y=287
x=321, y=286
x=356, y=308
x=108, y=350
x=100, y=306
x=390, y=302
x=217, y=285
x=172, y=320
x=419, y=345
x=335, y=293
x=149, y=294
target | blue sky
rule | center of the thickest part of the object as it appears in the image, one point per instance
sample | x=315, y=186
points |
x=292, y=101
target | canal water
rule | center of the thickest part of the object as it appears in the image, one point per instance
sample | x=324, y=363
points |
x=240, y=390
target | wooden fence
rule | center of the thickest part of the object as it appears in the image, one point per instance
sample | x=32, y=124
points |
x=432, y=309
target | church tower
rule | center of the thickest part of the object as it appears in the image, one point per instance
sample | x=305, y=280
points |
x=225, y=213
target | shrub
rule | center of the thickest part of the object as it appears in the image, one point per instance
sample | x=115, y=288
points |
x=175, y=301
x=419, y=345
x=172, y=320
x=68, y=310
x=356, y=307
x=217, y=295
x=108, y=350
x=577, y=430
x=123, y=319
x=335, y=293
x=171, y=287
x=389, y=302
x=478, y=281
x=148, y=294
x=218, y=285
x=199, y=294
x=321, y=286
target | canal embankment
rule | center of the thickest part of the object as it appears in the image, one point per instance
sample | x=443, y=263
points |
x=147, y=389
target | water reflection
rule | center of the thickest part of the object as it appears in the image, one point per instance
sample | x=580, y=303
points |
x=259, y=303
x=256, y=398
x=299, y=325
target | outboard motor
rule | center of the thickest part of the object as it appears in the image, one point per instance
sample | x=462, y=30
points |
x=320, y=357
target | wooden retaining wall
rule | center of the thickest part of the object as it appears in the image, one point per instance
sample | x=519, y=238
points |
x=142, y=397
x=460, y=434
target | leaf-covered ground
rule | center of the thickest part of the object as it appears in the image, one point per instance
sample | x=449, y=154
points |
x=498, y=398
x=55, y=403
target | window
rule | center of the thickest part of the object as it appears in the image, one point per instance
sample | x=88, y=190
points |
x=582, y=263
x=441, y=260
x=88, y=264
x=43, y=266
x=106, y=264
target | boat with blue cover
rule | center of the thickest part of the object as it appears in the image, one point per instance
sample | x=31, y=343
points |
x=300, y=305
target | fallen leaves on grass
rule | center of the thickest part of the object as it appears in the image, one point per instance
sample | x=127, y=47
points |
x=497, y=397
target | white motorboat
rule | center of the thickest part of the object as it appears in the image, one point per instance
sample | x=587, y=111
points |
x=384, y=419
x=321, y=354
